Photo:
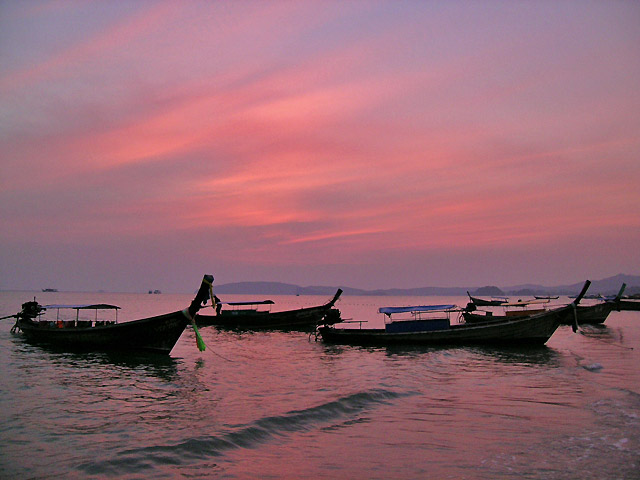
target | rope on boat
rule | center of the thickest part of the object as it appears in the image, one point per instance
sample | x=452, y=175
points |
x=575, y=325
x=603, y=340
x=216, y=305
x=576, y=328
x=222, y=357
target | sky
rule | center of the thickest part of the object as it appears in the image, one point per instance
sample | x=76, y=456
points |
x=372, y=144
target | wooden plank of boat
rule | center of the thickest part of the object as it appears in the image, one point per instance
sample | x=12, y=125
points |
x=532, y=330
x=156, y=334
x=302, y=318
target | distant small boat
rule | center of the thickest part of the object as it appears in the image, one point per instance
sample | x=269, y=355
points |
x=155, y=334
x=49, y=289
x=546, y=297
x=245, y=315
x=532, y=330
x=154, y=292
x=481, y=302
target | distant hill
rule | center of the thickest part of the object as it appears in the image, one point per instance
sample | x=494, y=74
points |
x=606, y=286
x=610, y=285
x=277, y=288
x=260, y=288
x=489, y=291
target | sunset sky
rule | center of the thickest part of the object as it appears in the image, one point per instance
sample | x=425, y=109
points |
x=374, y=144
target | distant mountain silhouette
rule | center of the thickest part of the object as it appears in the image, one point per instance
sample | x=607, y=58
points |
x=489, y=291
x=260, y=288
x=606, y=286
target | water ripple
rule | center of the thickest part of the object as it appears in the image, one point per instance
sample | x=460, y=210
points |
x=246, y=436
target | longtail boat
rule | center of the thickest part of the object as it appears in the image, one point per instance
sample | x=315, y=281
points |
x=246, y=315
x=154, y=334
x=534, y=330
x=584, y=314
x=521, y=308
x=481, y=302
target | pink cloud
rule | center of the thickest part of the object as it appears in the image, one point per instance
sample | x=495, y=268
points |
x=109, y=40
x=287, y=133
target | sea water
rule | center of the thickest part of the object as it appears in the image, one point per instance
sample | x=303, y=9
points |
x=283, y=405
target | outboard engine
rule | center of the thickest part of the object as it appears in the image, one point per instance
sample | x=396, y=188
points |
x=331, y=317
x=30, y=310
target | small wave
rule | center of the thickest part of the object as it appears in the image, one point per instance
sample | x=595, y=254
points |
x=245, y=436
x=594, y=367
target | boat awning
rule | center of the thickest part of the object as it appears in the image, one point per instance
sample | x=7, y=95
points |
x=260, y=302
x=417, y=308
x=90, y=306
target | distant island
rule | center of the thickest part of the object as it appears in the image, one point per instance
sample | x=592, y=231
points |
x=606, y=286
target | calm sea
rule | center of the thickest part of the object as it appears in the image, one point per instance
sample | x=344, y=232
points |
x=276, y=405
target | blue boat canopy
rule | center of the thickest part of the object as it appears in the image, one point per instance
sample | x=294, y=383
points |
x=90, y=306
x=418, y=308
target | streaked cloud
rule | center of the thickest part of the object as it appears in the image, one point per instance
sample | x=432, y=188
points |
x=286, y=134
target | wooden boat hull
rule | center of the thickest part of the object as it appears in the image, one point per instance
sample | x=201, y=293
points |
x=479, y=302
x=155, y=334
x=291, y=319
x=587, y=315
x=300, y=319
x=632, y=305
x=532, y=331
x=591, y=314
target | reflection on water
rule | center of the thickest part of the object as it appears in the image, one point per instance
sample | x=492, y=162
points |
x=516, y=355
x=276, y=405
x=161, y=366
x=613, y=336
x=534, y=356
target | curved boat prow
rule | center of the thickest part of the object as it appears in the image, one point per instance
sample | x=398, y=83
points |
x=620, y=292
x=203, y=295
x=586, y=286
x=205, y=292
x=574, y=305
x=335, y=298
